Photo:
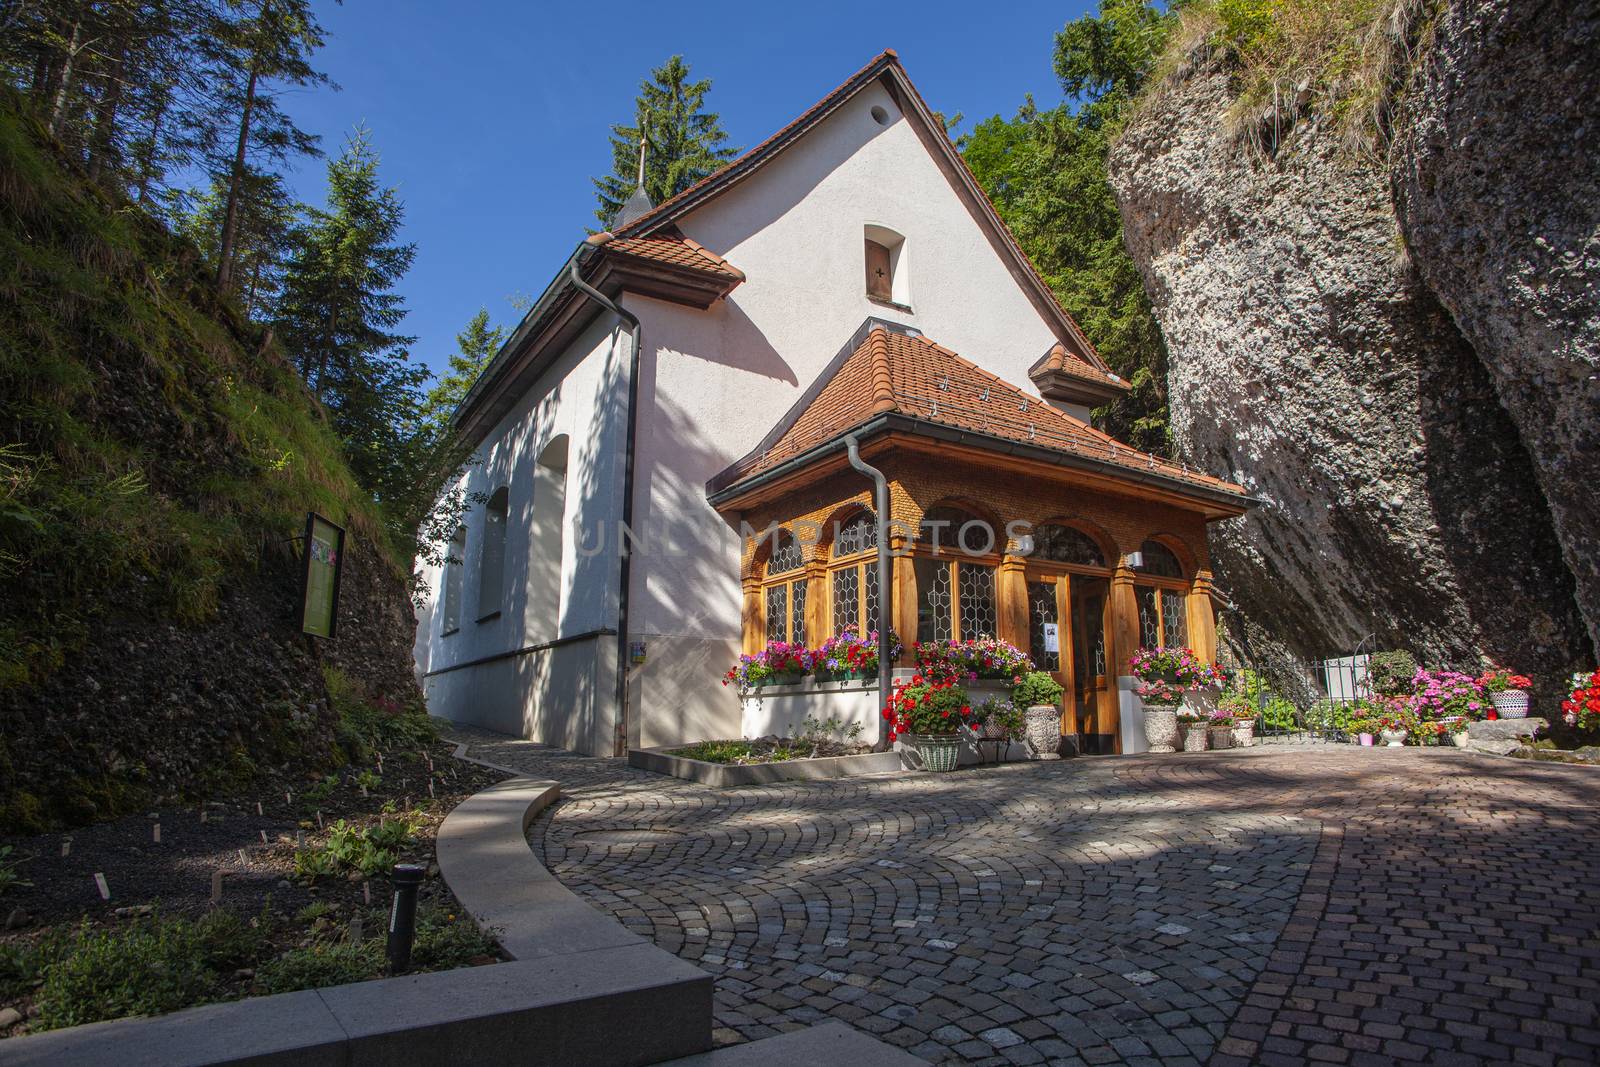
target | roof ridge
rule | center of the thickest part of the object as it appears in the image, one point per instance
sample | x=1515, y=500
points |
x=882, y=379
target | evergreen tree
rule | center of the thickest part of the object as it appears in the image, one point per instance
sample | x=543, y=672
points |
x=475, y=347
x=684, y=143
x=263, y=240
x=338, y=316
x=1046, y=173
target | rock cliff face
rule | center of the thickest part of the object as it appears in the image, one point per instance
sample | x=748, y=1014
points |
x=1497, y=188
x=1309, y=360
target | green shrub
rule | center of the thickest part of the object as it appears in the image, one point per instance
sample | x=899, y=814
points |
x=364, y=725
x=10, y=873
x=1391, y=673
x=321, y=964
x=1036, y=688
x=443, y=942
x=154, y=966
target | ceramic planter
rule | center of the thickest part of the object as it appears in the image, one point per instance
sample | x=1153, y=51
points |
x=1195, y=736
x=1366, y=740
x=1044, y=730
x=1161, y=727
x=1510, y=703
x=1394, y=738
x=1221, y=736
x=938, y=752
x=1244, y=733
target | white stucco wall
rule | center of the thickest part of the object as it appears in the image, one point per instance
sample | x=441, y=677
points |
x=559, y=695
x=714, y=382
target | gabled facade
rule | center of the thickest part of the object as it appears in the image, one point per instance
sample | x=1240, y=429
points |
x=731, y=322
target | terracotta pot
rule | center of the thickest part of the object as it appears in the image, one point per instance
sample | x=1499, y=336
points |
x=1161, y=727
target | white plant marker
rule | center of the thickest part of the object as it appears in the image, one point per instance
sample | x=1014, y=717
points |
x=355, y=930
x=264, y=837
x=202, y=814
x=319, y=818
x=288, y=797
x=245, y=860
x=155, y=829
x=100, y=884
x=66, y=845
x=258, y=808
x=216, y=885
x=299, y=839
x=430, y=787
x=366, y=892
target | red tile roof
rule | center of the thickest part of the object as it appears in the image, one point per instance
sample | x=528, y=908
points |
x=1064, y=361
x=893, y=372
x=671, y=248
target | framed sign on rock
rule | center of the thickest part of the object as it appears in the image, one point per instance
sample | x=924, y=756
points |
x=323, y=560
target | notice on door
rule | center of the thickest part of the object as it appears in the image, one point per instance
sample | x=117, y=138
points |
x=1052, y=642
x=319, y=581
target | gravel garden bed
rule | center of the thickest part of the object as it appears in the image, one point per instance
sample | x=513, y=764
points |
x=118, y=918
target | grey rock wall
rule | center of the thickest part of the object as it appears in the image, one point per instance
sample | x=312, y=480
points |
x=1496, y=184
x=1309, y=360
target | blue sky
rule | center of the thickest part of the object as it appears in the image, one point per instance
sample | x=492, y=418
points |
x=491, y=117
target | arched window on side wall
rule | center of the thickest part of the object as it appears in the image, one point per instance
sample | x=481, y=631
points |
x=1162, y=594
x=547, y=538
x=1064, y=544
x=492, y=561
x=450, y=614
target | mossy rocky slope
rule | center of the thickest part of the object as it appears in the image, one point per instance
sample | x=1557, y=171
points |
x=159, y=456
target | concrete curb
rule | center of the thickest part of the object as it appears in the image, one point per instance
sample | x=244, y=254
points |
x=830, y=1044
x=661, y=761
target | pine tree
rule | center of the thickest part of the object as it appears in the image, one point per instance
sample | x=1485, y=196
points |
x=684, y=143
x=338, y=316
x=475, y=347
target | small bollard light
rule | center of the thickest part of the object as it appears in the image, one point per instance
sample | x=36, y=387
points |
x=403, y=915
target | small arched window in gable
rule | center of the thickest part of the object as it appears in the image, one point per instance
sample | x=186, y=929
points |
x=492, y=563
x=1064, y=544
x=887, y=281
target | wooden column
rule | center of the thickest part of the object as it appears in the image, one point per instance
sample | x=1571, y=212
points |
x=903, y=602
x=1011, y=586
x=1202, y=620
x=819, y=614
x=1124, y=640
x=754, y=620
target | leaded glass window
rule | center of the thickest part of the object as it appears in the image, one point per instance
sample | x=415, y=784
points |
x=797, y=612
x=978, y=615
x=948, y=530
x=935, y=618
x=1159, y=561
x=1174, y=625
x=1149, y=617
x=1064, y=544
x=857, y=534
x=1042, y=610
x=777, y=612
x=846, y=598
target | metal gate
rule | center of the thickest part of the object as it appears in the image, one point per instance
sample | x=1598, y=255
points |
x=1297, y=701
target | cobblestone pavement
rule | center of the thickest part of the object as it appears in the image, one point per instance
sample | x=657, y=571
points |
x=1279, y=905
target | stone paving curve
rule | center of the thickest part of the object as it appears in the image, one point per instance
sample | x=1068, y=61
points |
x=1277, y=905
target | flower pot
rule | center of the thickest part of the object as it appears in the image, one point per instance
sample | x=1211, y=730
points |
x=1161, y=727
x=1244, y=733
x=993, y=731
x=938, y=752
x=1221, y=736
x=1044, y=730
x=1459, y=738
x=1394, y=738
x=1511, y=703
x=1366, y=740
x=1195, y=736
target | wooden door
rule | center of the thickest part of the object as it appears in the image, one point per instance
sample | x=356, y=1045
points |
x=1047, y=604
x=1091, y=687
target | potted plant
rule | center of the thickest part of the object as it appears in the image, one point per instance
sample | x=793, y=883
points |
x=1394, y=727
x=1581, y=709
x=931, y=714
x=1391, y=674
x=846, y=656
x=1040, y=694
x=1243, y=713
x=1363, y=730
x=1507, y=691
x=1164, y=675
x=1221, y=729
x=1193, y=726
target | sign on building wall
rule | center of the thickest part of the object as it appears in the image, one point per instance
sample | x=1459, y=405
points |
x=319, y=581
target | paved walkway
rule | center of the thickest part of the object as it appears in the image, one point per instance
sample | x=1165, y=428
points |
x=1324, y=904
